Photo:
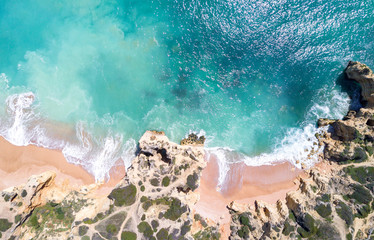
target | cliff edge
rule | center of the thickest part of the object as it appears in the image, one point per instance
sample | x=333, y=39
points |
x=153, y=201
x=334, y=201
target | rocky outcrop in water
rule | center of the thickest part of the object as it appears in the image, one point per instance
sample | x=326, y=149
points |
x=333, y=204
x=153, y=201
x=365, y=77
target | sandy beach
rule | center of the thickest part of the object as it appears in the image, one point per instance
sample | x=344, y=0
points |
x=18, y=163
x=244, y=184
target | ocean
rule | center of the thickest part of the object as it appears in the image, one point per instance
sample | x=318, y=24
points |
x=90, y=77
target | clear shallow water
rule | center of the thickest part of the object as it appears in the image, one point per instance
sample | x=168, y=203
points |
x=89, y=77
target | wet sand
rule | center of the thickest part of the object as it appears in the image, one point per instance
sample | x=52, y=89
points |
x=18, y=163
x=244, y=184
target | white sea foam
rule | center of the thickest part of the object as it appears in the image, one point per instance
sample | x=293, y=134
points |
x=299, y=146
x=22, y=126
x=20, y=115
x=98, y=155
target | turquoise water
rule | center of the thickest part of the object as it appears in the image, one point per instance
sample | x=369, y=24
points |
x=89, y=77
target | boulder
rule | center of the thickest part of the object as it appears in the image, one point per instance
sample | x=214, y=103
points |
x=343, y=132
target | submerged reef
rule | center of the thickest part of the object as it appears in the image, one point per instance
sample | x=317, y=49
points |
x=155, y=198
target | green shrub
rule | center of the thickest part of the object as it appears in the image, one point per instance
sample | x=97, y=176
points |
x=291, y=216
x=128, y=236
x=199, y=218
x=326, y=232
x=344, y=212
x=163, y=234
x=146, y=229
x=244, y=220
x=287, y=229
x=82, y=230
x=17, y=218
x=210, y=233
x=360, y=174
x=100, y=216
x=348, y=236
x=155, y=182
x=369, y=150
x=308, y=227
x=111, y=228
x=143, y=199
x=359, y=155
x=7, y=197
x=186, y=227
x=361, y=194
x=60, y=213
x=154, y=224
x=123, y=196
x=324, y=210
x=175, y=210
x=146, y=205
x=24, y=193
x=325, y=198
x=165, y=181
x=192, y=181
x=363, y=211
x=4, y=224
x=243, y=232
x=34, y=221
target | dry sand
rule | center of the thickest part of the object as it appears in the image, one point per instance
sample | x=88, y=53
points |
x=17, y=164
x=245, y=184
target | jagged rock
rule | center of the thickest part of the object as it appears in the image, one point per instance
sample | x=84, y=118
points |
x=136, y=207
x=343, y=132
x=364, y=76
x=193, y=139
x=350, y=115
x=324, y=212
x=333, y=204
x=324, y=122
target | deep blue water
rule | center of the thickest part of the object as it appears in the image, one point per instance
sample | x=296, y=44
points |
x=89, y=77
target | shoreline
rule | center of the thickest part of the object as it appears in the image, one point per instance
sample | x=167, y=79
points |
x=249, y=183
x=267, y=183
x=19, y=163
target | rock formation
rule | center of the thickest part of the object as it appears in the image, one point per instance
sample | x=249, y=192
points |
x=153, y=201
x=365, y=77
x=337, y=204
x=334, y=205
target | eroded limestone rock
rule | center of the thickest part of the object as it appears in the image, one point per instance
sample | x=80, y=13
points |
x=153, y=201
x=365, y=77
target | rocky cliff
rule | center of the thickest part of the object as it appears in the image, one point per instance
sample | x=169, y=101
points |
x=365, y=77
x=153, y=201
x=336, y=203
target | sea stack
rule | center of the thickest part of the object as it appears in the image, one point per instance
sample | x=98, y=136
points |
x=365, y=77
